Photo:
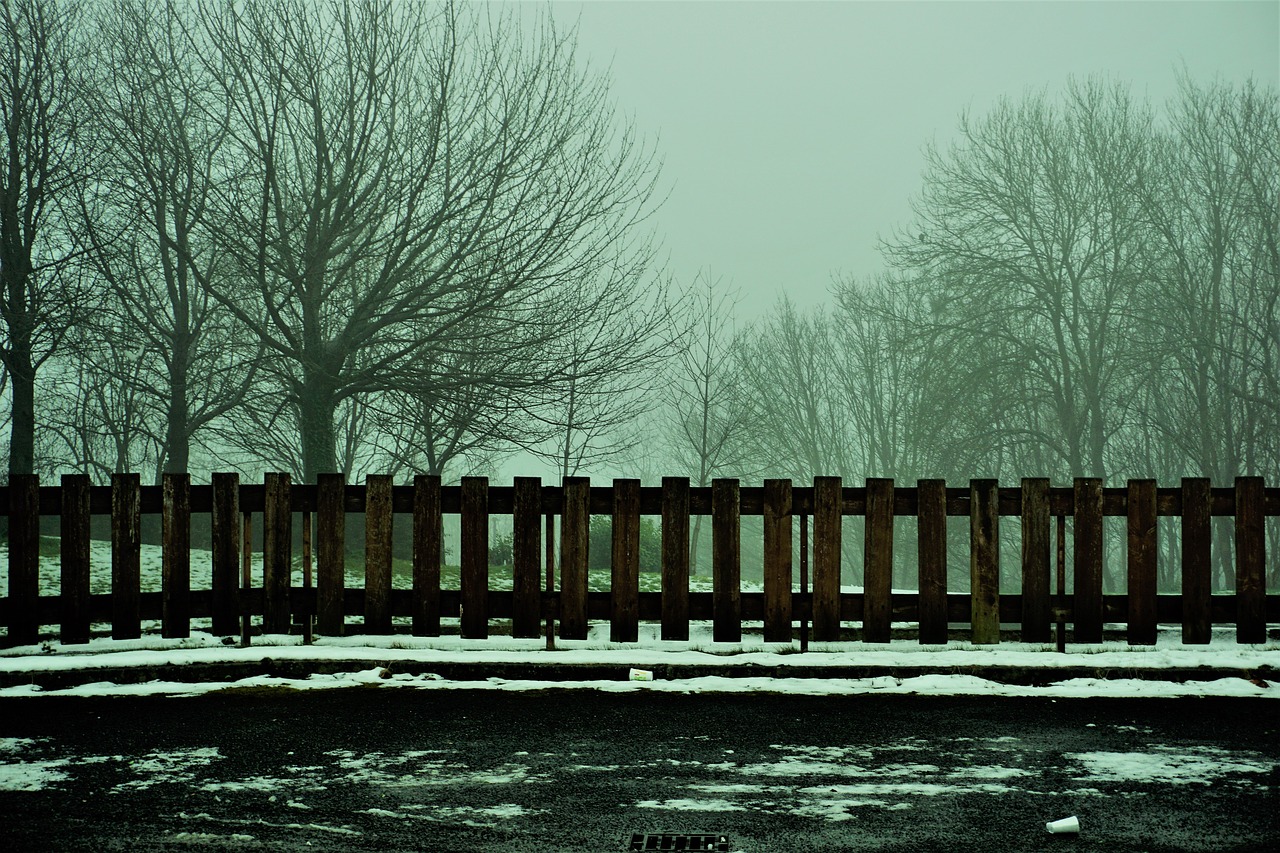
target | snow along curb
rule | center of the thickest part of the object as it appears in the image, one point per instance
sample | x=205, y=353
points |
x=203, y=663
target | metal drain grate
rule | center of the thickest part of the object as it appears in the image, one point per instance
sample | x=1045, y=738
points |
x=678, y=841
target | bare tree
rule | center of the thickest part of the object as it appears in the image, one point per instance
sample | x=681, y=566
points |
x=421, y=430
x=899, y=378
x=148, y=216
x=707, y=420
x=1029, y=234
x=101, y=420
x=605, y=365
x=408, y=175
x=1208, y=275
x=783, y=365
x=45, y=149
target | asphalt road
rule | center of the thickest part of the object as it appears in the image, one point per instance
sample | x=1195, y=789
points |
x=455, y=770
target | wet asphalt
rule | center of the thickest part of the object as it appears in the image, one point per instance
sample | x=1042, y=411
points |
x=557, y=770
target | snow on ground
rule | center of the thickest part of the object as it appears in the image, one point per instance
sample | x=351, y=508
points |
x=830, y=784
x=373, y=662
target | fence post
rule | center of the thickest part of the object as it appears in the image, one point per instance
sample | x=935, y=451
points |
x=126, y=556
x=224, y=530
x=277, y=548
x=1087, y=596
x=428, y=545
x=675, y=558
x=1142, y=562
x=75, y=559
x=475, y=558
x=526, y=556
x=827, y=531
x=1251, y=619
x=1035, y=560
x=1197, y=571
x=726, y=562
x=175, y=580
x=24, y=559
x=984, y=560
x=624, y=582
x=777, y=561
x=877, y=563
x=331, y=546
x=931, y=520
x=575, y=526
x=377, y=554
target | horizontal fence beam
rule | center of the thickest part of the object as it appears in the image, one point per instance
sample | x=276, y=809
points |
x=905, y=607
x=853, y=500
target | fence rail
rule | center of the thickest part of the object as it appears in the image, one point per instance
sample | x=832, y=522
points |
x=232, y=600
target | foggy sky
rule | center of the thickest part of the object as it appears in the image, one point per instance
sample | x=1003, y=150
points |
x=792, y=132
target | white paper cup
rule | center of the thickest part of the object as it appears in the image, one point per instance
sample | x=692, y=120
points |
x=641, y=675
x=1066, y=825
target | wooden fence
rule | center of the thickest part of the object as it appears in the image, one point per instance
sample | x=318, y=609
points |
x=233, y=600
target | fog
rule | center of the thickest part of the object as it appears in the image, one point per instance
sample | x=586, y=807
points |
x=792, y=133
x=709, y=240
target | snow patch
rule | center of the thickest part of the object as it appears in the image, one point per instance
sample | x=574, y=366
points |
x=687, y=805
x=32, y=775
x=1171, y=765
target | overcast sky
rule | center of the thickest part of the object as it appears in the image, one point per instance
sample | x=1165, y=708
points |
x=792, y=131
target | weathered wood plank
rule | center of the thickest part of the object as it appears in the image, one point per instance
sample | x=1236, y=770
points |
x=1035, y=560
x=984, y=560
x=428, y=553
x=175, y=583
x=526, y=556
x=675, y=558
x=224, y=526
x=1197, y=568
x=377, y=554
x=277, y=552
x=575, y=529
x=331, y=554
x=24, y=559
x=726, y=561
x=931, y=520
x=475, y=557
x=624, y=598
x=827, y=534
x=75, y=559
x=1251, y=545
x=777, y=561
x=877, y=562
x=1087, y=544
x=1142, y=562
x=126, y=558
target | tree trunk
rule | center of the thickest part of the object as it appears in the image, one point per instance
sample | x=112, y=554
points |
x=22, y=435
x=177, y=437
x=317, y=409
